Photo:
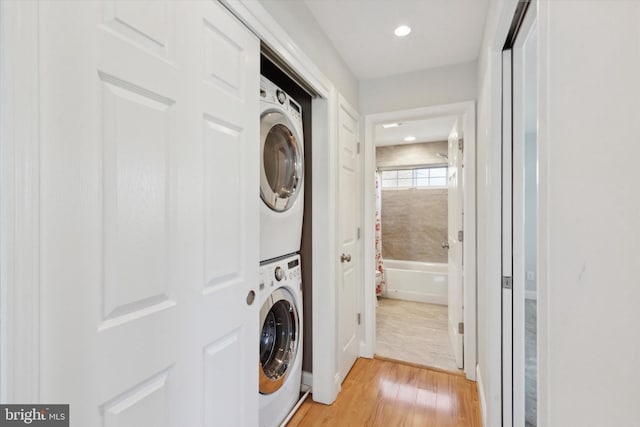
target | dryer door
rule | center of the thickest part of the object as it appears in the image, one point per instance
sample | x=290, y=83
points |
x=282, y=166
x=278, y=339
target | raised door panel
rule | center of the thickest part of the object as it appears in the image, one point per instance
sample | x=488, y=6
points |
x=148, y=24
x=146, y=404
x=224, y=364
x=225, y=75
x=138, y=134
x=223, y=186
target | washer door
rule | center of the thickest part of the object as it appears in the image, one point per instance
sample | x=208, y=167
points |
x=278, y=339
x=282, y=166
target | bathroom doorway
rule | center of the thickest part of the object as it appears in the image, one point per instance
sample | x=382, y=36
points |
x=408, y=316
x=412, y=244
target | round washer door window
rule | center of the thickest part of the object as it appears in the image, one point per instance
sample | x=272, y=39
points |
x=282, y=167
x=278, y=340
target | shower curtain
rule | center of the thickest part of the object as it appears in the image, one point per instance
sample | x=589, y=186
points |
x=380, y=287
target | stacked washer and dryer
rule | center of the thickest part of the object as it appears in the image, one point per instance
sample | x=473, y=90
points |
x=281, y=215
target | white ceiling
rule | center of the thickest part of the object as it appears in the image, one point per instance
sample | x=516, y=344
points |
x=444, y=32
x=426, y=130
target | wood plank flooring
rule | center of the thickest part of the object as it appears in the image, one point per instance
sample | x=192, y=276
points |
x=389, y=394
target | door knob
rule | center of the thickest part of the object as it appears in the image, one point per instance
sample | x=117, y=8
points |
x=445, y=245
x=345, y=258
x=251, y=296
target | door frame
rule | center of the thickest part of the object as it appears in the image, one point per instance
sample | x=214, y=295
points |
x=513, y=218
x=466, y=110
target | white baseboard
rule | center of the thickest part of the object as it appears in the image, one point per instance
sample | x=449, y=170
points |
x=483, y=402
x=414, y=296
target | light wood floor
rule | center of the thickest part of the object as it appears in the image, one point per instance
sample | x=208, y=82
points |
x=388, y=394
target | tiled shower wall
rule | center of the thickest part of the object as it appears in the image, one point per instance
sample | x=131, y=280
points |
x=414, y=222
x=420, y=154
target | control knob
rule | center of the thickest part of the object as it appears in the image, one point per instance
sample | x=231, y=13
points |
x=279, y=273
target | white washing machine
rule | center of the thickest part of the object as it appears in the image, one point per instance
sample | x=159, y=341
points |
x=280, y=368
x=281, y=172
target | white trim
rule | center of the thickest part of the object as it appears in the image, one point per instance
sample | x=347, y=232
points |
x=483, y=400
x=531, y=295
x=325, y=269
x=324, y=211
x=19, y=214
x=468, y=112
x=469, y=248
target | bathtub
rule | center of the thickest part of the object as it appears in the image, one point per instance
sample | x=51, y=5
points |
x=417, y=281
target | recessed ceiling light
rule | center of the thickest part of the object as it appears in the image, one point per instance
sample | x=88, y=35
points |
x=410, y=138
x=402, y=31
x=390, y=125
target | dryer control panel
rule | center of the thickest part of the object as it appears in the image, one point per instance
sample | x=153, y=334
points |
x=272, y=94
x=280, y=272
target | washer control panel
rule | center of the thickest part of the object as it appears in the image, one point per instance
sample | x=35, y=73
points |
x=280, y=272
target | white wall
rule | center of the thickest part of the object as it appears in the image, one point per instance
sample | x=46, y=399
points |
x=296, y=19
x=442, y=85
x=590, y=211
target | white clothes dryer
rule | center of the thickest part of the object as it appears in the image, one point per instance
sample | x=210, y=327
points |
x=281, y=172
x=280, y=368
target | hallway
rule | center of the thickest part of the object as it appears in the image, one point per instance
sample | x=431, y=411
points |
x=382, y=393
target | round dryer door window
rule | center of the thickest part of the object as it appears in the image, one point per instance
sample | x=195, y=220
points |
x=278, y=340
x=282, y=162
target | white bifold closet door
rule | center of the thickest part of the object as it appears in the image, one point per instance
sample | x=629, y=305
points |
x=149, y=213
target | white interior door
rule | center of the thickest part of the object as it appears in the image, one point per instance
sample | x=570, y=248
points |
x=349, y=246
x=149, y=196
x=455, y=204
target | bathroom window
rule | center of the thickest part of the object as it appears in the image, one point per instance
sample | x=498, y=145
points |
x=415, y=178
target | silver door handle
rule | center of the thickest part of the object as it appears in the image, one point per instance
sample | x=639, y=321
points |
x=345, y=258
x=445, y=245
